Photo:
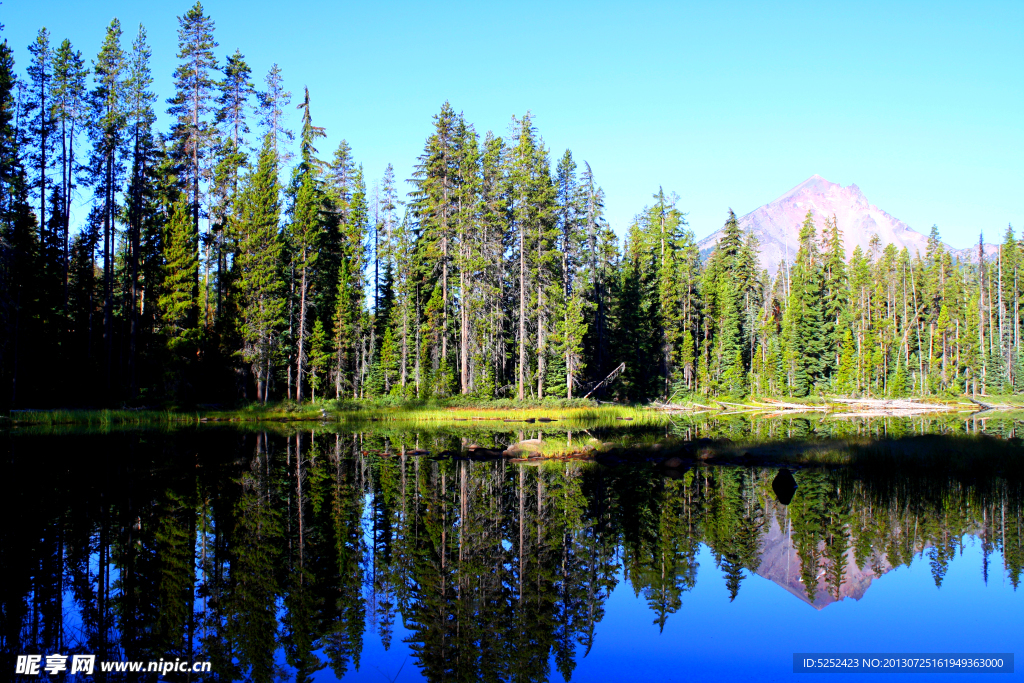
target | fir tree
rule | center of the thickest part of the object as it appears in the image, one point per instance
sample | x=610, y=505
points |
x=260, y=287
x=304, y=232
x=532, y=197
x=805, y=341
x=433, y=203
x=836, y=290
x=726, y=279
x=319, y=358
x=177, y=302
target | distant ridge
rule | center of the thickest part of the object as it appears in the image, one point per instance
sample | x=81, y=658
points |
x=777, y=224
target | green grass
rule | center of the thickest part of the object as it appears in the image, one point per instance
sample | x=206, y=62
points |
x=100, y=418
x=353, y=412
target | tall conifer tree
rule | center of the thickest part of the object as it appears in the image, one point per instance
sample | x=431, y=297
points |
x=107, y=130
x=260, y=287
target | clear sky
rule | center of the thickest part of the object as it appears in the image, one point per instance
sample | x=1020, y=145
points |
x=729, y=104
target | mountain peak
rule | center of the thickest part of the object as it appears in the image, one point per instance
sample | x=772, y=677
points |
x=813, y=185
x=777, y=224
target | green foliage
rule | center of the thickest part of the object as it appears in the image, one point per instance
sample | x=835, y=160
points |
x=260, y=286
x=178, y=302
x=319, y=357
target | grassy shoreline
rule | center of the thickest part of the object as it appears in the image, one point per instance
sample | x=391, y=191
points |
x=604, y=434
x=340, y=411
x=447, y=411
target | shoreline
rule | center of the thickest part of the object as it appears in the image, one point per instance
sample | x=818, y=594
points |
x=528, y=412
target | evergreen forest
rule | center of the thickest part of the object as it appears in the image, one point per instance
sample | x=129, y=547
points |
x=229, y=259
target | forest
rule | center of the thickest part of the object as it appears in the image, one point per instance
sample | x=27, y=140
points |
x=229, y=260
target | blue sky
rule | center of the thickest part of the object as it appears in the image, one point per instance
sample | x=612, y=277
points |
x=729, y=104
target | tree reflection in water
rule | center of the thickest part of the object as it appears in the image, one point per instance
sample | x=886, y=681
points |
x=227, y=545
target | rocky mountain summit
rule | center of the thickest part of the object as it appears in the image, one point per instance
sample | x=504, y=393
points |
x=777, y=224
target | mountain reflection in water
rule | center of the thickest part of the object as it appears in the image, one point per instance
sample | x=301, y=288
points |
x=227, y=546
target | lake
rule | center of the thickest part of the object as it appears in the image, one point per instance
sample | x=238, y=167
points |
x=702, y=549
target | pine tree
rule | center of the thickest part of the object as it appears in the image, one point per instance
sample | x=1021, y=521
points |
x=598, y=279
x=670, y=223
x=726, y=280
x=233, y=107
x=532, y=195
x=38, y=135
x=347, y=194
x=272, y=104
x=107, y=130
x=494, y=242
x=18, y=241
x=261, y=290
x=836, y=288
x=433, y=203
x=192, y=104
x=571, y=307
x=233, y=103
x=178, y=303
x=345, y=326
x=845, y=378
x=41, y=131
x=305, y=231
x=139, y=101
x=466, y=197
x=319, y=358
x=388, y=363
x=69, y=111
x=571, y=332
x=805, y=342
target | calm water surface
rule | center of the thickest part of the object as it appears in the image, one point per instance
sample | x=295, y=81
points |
x=309, y=553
